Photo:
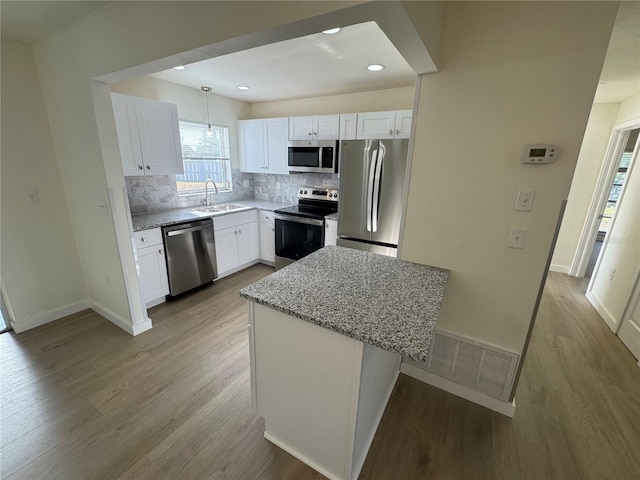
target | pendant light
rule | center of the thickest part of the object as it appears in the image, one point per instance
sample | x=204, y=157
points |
x=206, y=90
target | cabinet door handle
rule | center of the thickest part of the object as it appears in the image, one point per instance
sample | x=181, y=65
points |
x=273, y=229
x=397, y=132
x=148, y=167
x=160, y=251
x=140, y=167
x=240, y=231
x=235, y=233
x=390, y=132
x=143, y=239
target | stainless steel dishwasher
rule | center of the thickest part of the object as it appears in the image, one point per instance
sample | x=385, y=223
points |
x=191, y=254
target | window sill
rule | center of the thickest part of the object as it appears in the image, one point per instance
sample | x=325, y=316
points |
x=201, y=194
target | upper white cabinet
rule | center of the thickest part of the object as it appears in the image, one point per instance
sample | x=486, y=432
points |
x=391, y=124
x=319, y=127
x=348, y=126
x=263, y=145
x=148, y=136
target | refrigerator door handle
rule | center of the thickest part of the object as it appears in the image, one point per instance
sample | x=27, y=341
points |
x=372, y=172
x=376, y=188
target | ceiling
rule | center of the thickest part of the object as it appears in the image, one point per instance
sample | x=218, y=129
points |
x=318, y=64
x=311, y=66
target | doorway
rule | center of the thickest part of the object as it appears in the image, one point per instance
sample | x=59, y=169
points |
x=613, y=198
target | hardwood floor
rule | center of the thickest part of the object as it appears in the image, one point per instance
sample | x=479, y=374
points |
x=81, y=399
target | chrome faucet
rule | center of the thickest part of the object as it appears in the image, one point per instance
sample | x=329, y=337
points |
x=206, y=190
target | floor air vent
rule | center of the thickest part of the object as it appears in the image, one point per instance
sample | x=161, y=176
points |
x=475, y=365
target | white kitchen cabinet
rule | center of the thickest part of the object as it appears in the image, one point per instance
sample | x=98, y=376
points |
x=319, y=127
x=348, y=126
x=330, y=232
x=390, y=124
x=154, y=282
x=267, y=237
x=148, y=136
x=237, y=241
x=263, y=145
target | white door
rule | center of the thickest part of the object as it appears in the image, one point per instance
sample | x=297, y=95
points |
x=275, y=135
x=251, y=146
x=248, y=243
x=403, y=123
x=267, y=242
x=300, y=128
x=326, y=127
x=348, y=126
x=629, y=331
x=159, y=137
x=226, y=249
x=153, y=273
x=372, y=125
x=124, y=111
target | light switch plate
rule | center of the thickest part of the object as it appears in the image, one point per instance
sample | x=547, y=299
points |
x=32, y=197
x=517, y=238
x=524, y=202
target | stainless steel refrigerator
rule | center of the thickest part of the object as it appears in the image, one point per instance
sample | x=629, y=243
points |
x=372, y=177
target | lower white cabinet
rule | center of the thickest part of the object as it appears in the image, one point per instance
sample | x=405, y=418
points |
x=330, y=232
x=237, y=241
x=267, y=237
x=154, y=282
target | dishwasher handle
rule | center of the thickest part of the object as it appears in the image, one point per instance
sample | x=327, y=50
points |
x=182, y=228
x=172, y=233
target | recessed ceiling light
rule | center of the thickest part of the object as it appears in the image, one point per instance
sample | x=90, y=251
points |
x=331, y=31
x=244, y=88
x=375, y=67
x=180, y=67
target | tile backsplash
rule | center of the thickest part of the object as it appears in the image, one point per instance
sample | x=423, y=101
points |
x=157, y=193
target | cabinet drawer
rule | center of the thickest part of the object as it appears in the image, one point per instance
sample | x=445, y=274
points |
x=267, y=217
x=234, y=219
x=148, y=238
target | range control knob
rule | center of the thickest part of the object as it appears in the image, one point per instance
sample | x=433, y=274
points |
x=305, y=192
x=301, y=192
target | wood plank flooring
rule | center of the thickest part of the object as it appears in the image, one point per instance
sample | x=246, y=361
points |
x=81, y=399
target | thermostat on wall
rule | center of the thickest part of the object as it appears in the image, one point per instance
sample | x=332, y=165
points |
x=539, y=154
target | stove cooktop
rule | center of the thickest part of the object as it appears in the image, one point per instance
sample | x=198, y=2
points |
x=307, y=211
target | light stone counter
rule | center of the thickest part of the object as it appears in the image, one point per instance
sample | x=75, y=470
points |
x=379, y=300
x=145, y=221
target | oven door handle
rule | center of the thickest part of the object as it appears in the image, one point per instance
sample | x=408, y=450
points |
x=306, y=221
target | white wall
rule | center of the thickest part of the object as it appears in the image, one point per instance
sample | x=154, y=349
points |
x=379, y=100
x=629, y=109
x=40, y=266
x=474, y=118
x=592, y=152
x=191, y=105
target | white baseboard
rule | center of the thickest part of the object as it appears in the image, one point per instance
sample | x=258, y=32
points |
x=559, y=268
x=237, y=269
x=491, y=403
x=602, y=310
x=49, y=316
x=300, y=456
x=155, y=302
x=120, y=321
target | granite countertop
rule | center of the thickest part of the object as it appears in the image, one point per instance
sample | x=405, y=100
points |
x=333, y=216
x=379, y=300
x=145, y=221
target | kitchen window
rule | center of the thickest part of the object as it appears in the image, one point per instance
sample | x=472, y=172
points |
x=205, y=157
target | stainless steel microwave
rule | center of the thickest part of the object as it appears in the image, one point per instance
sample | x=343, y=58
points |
x=315, y=156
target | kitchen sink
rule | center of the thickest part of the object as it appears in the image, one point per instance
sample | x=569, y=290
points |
x=228, y=207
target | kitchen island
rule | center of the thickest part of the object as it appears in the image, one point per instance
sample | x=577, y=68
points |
x=326, y=335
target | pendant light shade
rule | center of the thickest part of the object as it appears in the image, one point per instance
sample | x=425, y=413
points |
x=209, y=130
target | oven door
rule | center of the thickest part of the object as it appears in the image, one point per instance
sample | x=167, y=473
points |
x=297, y=237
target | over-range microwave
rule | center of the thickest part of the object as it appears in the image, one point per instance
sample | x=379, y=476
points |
x=315, y=156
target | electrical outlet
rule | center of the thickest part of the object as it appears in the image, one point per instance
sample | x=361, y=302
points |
x=517, y=237
x=524, y=201
x=612, y=274
x=32, y=197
